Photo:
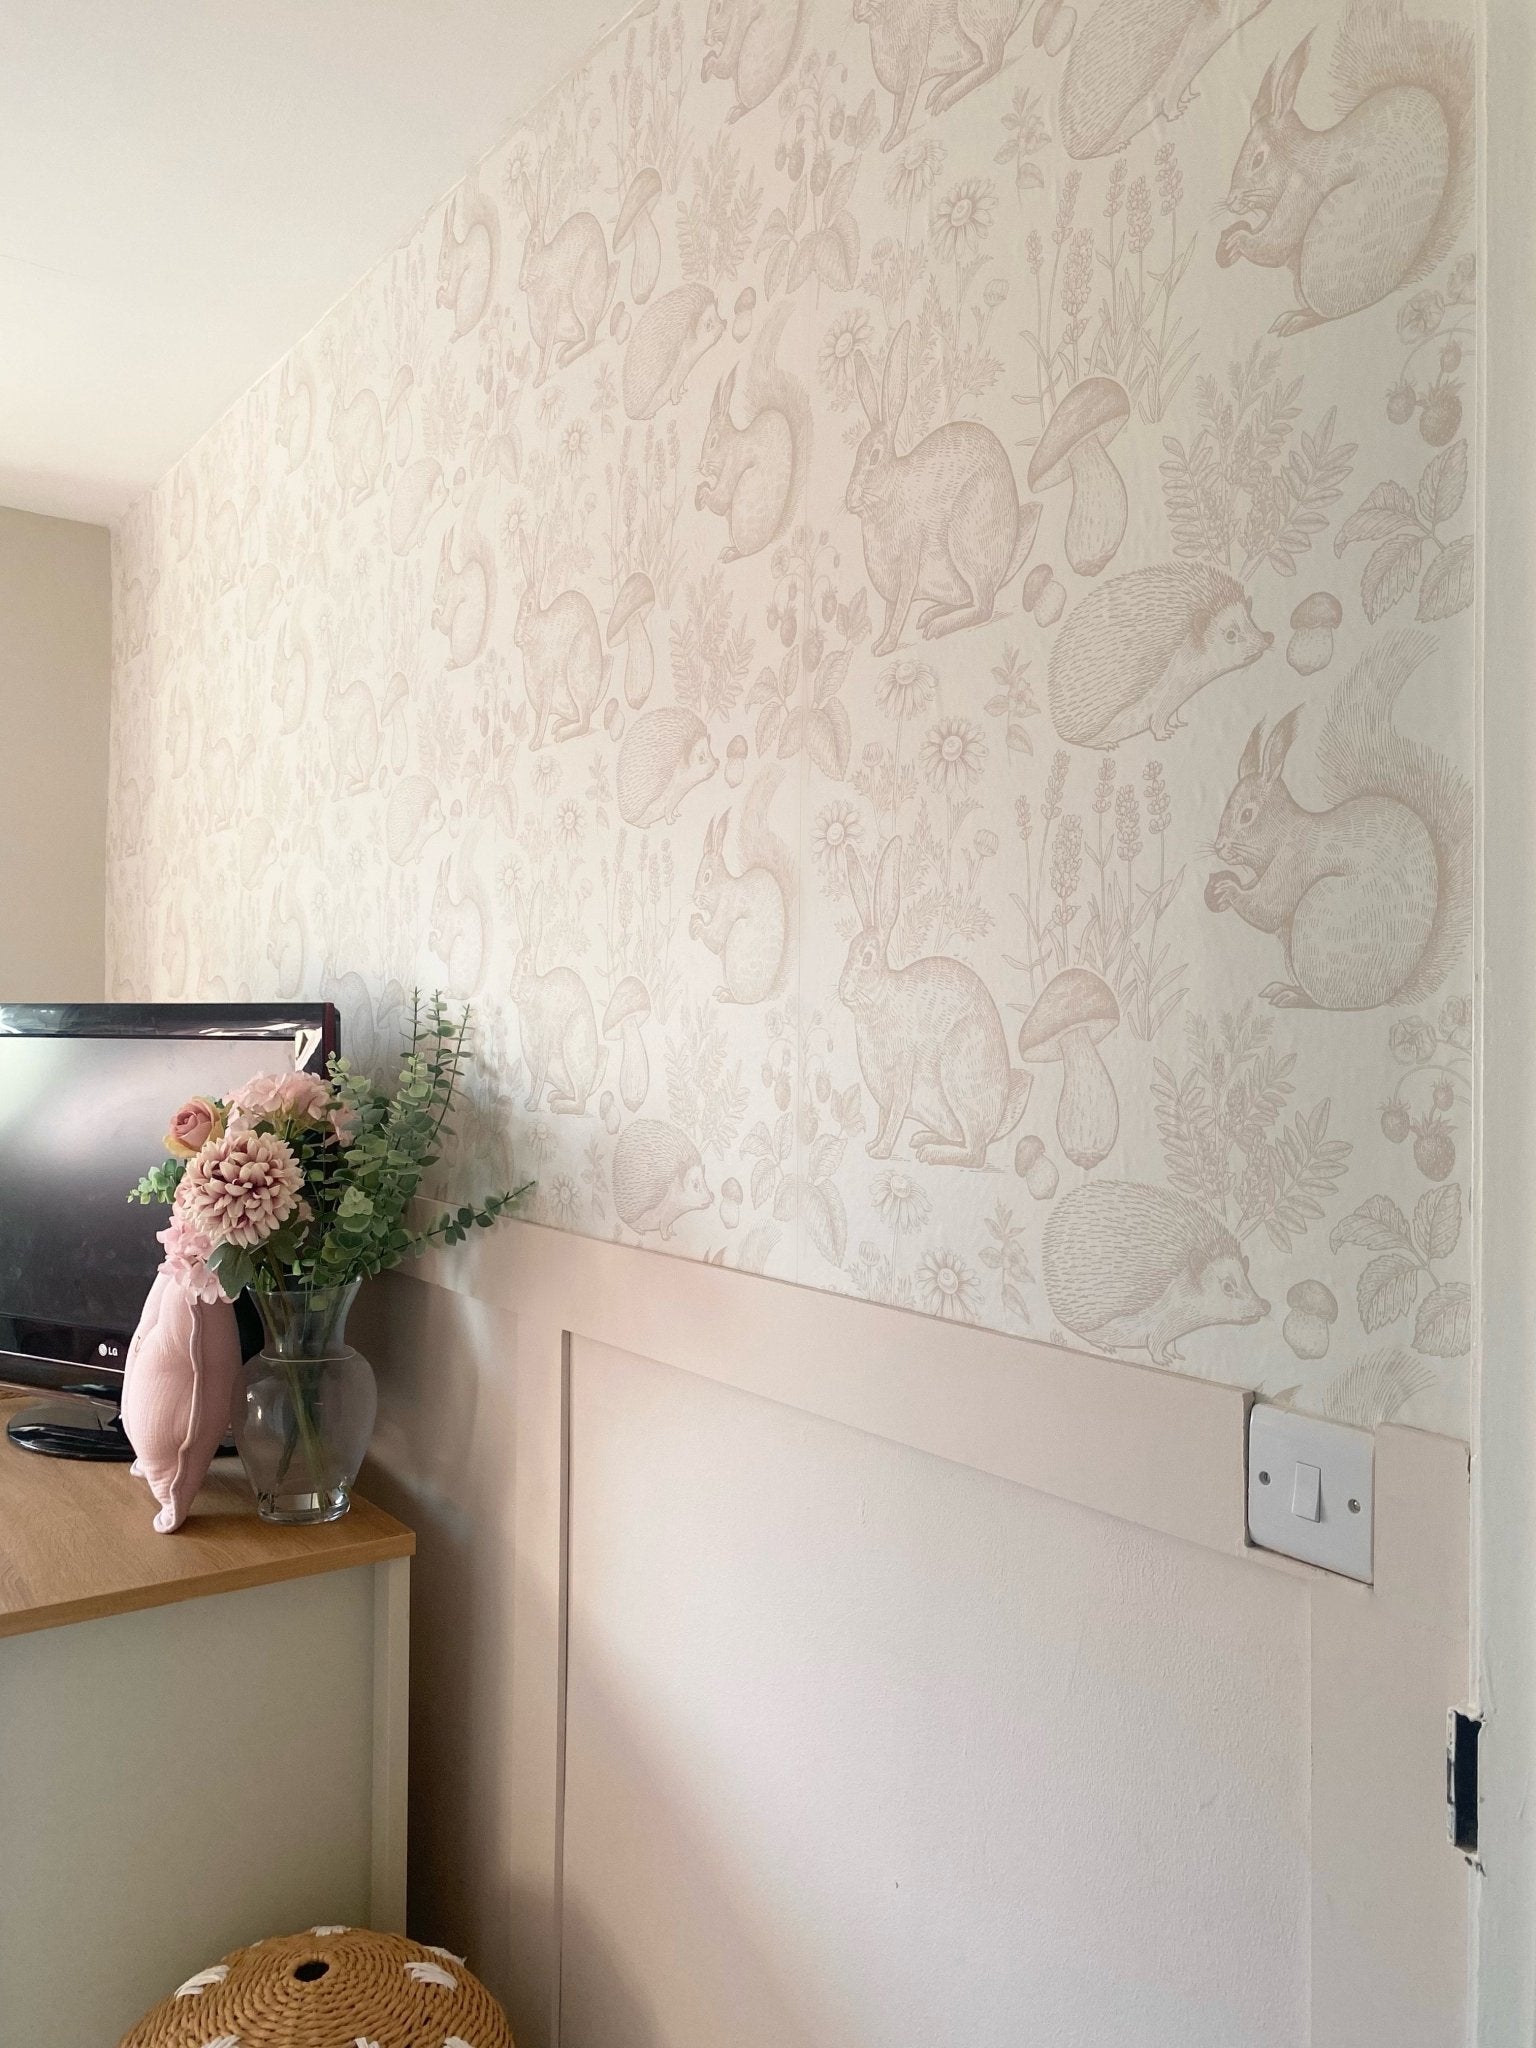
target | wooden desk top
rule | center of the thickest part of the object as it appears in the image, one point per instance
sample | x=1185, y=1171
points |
x=77, y=1541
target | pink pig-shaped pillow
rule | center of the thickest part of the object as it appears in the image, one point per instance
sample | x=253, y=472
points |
x=179, y=1376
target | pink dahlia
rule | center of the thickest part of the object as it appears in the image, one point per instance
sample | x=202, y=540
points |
x=284, y=1098
x=242, y=1189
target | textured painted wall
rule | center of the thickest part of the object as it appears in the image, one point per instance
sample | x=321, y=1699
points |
x=892, y=595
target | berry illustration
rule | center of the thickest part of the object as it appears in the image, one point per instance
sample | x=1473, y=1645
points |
x=1434, y=1149
x=1440, y=416
x=1395, y=1122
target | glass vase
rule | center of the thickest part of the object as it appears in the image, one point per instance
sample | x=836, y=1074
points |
x=304, y=1411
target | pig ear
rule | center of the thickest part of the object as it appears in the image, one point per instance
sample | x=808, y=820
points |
x=1278, y=745
x=1252, y=754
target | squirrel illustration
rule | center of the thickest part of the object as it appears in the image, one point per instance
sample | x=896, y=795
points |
x=1132, y=1267
x=1372, y=897
x=1373, y=203
x=753, y=475
x=745, y=918
x=1135, y=650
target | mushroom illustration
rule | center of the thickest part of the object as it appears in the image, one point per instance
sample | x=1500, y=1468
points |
x=1035, y=1168
x=1051, y=603
x=1073, y=446
x=736, y=761
x=637, y=230
x=1053, y=26
x=608, y=1110
x=618, y=322
x=1312, y=628
x=627, y=1010
x=632, y=607
x=730, y=1204
x=1076, y=1012
x=1034, y=584
x=1313, y=1309
x=746, y=306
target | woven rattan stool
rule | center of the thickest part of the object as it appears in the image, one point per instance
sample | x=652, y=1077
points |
x=335, y=1987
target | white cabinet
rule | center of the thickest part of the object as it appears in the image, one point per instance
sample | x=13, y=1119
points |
x=202, y=1739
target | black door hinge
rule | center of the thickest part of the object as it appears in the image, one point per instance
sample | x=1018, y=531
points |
x=1462, y=1731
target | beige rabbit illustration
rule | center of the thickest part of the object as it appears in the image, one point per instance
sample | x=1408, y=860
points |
x=942, y=522
x=1373, y=203
x=355, y=725
x=752, y=476
x=906, y=38
x=561, y=1046
x=752, y=43
x=464, y=598
x=466, y=259
x=357, y=446
x=1371, y=898
x=566, y=276
x=565, y=664
x=292, y=669
x=458, y=928
x=295, y=412
x=930, y=1041
x=183, y=513
x=744, y=919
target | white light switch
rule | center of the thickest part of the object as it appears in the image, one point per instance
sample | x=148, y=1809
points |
x=1307, y=1493
x=1309, y=1489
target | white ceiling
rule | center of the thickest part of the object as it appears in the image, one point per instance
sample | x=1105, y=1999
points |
x=187, y=185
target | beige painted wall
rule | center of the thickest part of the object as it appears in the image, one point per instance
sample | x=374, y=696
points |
x=55, y=681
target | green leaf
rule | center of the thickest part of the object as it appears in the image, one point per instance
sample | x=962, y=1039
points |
x=1385, y=1290
x=1437, y=1222
x=1378, y=1224
x=1390, y=573
x=1385, y=511
x=1448, y=582
x=1443, y=484
x=1443, y=1328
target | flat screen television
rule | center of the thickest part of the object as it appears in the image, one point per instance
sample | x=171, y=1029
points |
x=86, y=1092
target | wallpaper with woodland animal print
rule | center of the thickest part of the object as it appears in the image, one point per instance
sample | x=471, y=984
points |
x=888, y=587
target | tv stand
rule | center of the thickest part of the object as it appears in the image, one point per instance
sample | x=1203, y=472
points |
x=73, y=1426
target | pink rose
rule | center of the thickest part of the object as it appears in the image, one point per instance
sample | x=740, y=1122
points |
x=284, y=1098
x=192, y=1126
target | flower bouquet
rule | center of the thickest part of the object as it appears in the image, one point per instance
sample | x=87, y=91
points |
x=293, y=1191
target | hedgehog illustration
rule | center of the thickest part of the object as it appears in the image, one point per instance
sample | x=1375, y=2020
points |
x=1129, y=1266
x=1138, y=648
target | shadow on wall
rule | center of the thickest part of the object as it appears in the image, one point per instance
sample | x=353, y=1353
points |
x=443, y=1461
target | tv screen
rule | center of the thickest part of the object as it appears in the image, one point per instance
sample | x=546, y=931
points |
x=85, y=1097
